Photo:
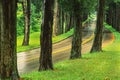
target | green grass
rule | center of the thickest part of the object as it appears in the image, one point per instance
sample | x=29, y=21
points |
x=98, y=66
x=35, y=40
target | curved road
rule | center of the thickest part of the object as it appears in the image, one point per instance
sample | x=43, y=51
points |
x=29, y=61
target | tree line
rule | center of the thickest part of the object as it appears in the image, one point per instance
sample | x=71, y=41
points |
x=75, y=12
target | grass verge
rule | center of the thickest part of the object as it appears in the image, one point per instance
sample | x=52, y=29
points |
x=99, y=66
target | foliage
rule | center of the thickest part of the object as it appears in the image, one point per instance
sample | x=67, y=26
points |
x=86, y=6
x=20, y=20
x=35, y=20
x=38, y=5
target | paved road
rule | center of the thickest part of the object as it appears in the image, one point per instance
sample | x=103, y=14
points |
x=28, y=61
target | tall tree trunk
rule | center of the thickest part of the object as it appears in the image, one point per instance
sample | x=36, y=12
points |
x=109, y=14
x=77, y=36
x=114, y=15
x=46, y=37
x=8, y=40
x=56, y=24
x=67, y=20
x=68, y=23
x=97, y=44
x=62, y=21
x=26, y=12
x=0, y=33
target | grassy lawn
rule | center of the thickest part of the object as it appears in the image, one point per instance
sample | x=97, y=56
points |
x=35, y=40
x=98, y=66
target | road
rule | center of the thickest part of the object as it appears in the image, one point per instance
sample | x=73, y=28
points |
x=29, y=61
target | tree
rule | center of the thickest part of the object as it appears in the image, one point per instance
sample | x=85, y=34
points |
x=97, y=44
x=46, y=36
x=8, y=40
x=26, y=12
x=77, y=37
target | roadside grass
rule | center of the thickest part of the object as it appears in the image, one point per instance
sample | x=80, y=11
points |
x=97, y=66
x=35, y=40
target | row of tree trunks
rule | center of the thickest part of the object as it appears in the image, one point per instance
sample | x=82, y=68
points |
x=26, y=12
x=63, y=22
x=8, y=57
x=46, y=36
x=113, y=14
x=97, y=44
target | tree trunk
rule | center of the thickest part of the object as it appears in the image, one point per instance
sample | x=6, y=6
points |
x=0, y=34
x=8, y=40
x=67, y=20
x=109, y=14
x=62, y=21
x=56, y=24
x=26, y=12
x=97, y=44
x=69, y=23
x=77, y=36
x=46, y=37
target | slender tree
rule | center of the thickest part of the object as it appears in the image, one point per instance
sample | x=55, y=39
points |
x=8, y=40
x=46, y=36
x=97, y=44
x=26, y=12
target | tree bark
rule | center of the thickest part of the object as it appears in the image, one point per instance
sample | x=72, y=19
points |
x=68, y=22
x=56, y=24
x=77, y=36
x=109, y=14
x=46, y=37
x=26, y=12
x=8, y=40
x=97, y=44
x=0, y=33
x=62, y=21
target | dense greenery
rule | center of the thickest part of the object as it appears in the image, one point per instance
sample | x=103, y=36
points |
x=36, y=19
x=106, y=66
x=85, y=5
